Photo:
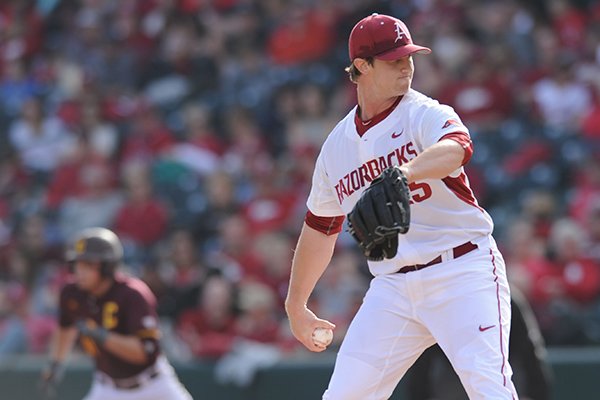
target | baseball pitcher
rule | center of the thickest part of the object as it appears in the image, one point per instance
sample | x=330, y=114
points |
x=394, y=166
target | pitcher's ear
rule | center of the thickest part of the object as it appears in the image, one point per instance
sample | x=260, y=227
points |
x=362, y=65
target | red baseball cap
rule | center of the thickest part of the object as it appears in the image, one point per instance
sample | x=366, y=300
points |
x=383, y=37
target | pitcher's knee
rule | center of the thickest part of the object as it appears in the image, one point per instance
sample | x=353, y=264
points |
x=487, y=384
x=354, y=379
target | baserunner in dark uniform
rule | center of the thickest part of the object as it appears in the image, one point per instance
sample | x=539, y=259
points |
x=114, y=317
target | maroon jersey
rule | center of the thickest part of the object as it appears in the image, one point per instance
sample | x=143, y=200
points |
x=127, y=308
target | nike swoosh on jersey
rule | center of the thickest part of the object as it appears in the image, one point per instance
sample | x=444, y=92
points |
x=397, y=135
x=483, y=329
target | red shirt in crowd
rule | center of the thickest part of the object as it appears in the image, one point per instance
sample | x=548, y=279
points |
x=148, y=139
x=144, y=223
x=206, y=338
x=578, y=280
x=302, y=39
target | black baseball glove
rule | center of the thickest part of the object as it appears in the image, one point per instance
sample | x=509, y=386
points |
x=380, y=214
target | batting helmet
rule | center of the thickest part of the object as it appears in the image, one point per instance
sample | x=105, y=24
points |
x=97, y=245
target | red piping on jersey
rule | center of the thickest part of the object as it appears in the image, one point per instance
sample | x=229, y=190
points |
x=363, y=126
x=326, y=225
x=465, y=141
x=460, y=187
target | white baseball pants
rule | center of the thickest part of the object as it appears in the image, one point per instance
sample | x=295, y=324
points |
x=162, y=387
x=462, y=304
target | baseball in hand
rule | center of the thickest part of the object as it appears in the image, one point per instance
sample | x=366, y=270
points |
x=322, y=336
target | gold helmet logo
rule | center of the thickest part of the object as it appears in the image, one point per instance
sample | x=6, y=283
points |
x=80, y=246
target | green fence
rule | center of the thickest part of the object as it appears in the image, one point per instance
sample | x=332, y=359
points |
x=577, y=376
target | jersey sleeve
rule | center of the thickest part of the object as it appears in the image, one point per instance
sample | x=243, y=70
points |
x=326, y=225
x=465, y=141
x=141, y=320
x=140, y=317
x=436, y=123
x=322, y=200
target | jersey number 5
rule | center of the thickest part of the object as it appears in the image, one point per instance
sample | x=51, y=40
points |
x=420, y=191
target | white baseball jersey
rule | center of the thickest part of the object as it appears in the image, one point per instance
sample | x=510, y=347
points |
x=444, y=213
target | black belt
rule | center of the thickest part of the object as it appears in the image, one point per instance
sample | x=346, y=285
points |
x=458, y=251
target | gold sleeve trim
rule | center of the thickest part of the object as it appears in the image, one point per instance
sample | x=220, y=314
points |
x=148, y=334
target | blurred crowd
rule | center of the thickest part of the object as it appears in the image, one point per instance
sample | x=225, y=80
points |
x=190, y=128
